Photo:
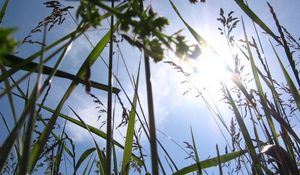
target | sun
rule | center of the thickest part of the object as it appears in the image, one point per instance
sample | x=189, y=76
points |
x=209, y=68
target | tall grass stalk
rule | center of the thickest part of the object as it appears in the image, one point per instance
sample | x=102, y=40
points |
x=109, y=99
x=152, y=130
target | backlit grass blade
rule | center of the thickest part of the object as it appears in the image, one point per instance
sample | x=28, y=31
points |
x=256, y=19
x=94, y=130
x=89, y=167
x=199, y=38
x=10, y=140
x=3, y=9
x=285, y=45
x=289, y=80
x=89, y=61
x=30, y=123
x=9, y=95
x=23, y=96
x=56, y=137
x=219, y=160
x=59, y=153
x=11, y=61
x=196, y=153
x=246, y=135
x=259, y=88
x=83, y=157
x=201, y=41
x=130, y=130
x=99, y=152
x=115, y=159
x=210, y=162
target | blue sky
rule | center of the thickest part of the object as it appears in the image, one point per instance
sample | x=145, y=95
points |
x=175, y=112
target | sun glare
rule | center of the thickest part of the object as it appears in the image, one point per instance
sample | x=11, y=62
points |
x=210, y=68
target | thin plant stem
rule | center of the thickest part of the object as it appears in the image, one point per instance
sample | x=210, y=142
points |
x=109, y=100
x=152, y=130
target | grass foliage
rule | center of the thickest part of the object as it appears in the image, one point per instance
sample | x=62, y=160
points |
x=263, y=139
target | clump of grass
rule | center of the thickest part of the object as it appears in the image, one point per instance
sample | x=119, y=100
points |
x=263, y=140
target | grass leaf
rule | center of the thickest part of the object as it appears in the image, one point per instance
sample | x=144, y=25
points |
x=256, y=19
x=3, y=9
x=92, y=57
x=246, y=135
x=83, y=156
x=130, y=130
x=11, y=60
x=210, y=162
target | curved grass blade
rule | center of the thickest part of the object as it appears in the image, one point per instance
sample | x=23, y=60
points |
x=93, y=130
x=210, y=162
x=92, y=57
x=3, y=9
x=99, y=152
x=82, y=158
x=130, y=131
x=30, y=123
x=198, y=38
x=12, y=60
x=285, y=45
x=59, y=154
x=246, y=135
x=10, y=140
x=289, y=80
x=219, y=161
x=196, y=153
x=256, y=19
x=201, y=41
x=24, y=96
x=89, y=167
x=78, y=123
x=259, y=88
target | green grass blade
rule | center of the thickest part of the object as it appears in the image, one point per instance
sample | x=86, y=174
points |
x=92, y=57
x=3, y=9
x=88, y=165
x=245, y=134
x=11, y=61
x=115, y=159
x=99, y=152
x=130, y=130
x=59, y=154
x=94, y=130
x=219, y=160
x=256, y=19
x=23, y=96
x=289, y=80
x=56, y=137
x=82, y=158
x=10, y=140
x=9, y=95
x=199, y=38
x=30, y=123
x=210, y=162
x=196, y=153
x=259, y=88
x=285, y=45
